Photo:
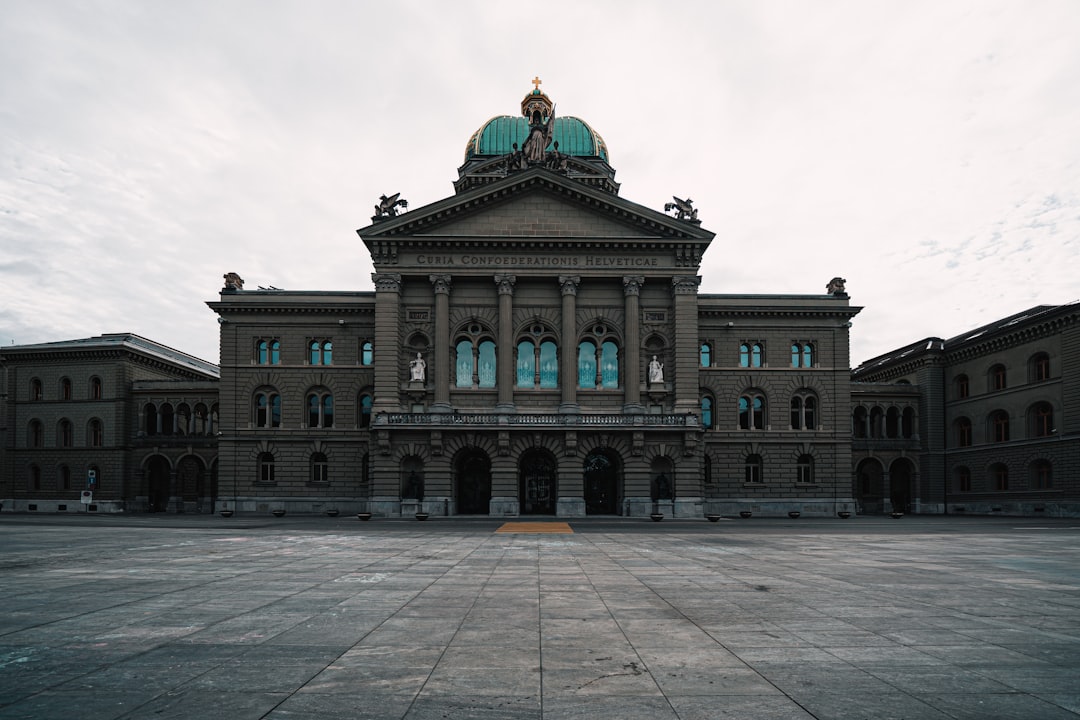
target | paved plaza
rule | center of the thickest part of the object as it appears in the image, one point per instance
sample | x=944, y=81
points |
x=326, y=618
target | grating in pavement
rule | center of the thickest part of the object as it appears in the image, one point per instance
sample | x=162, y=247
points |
x=535, y=527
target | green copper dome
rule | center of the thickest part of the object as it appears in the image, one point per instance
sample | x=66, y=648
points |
x=498, y=135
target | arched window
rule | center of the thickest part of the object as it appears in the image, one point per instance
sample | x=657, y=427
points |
x=587, y=364
x=962, y=479
x=475, y=365
x=877, y=422
x=35, y=434
x=892, y=422
x=961, y=387
x=802, y=355
x=200, y=426
x=996, y=378
x=752, y=470
x=167, y=419
x=1042, y=475
x=35, y=477
x=537, y=365
x=265, y=468
x=320, y=352
x=367, y=353
x=320, y=408
x=1039, y=367
x=999, y=426
x=752, y=411
x=706, y=412
x=1042, y=419
x=183, y=419
x=63, y=477
x=95, y=433
x=150, y=419
x=907, y=423
x=962, y=432
x=999, y=476
x=366, y=402
x=859, y=422
x=804, y=411
x=706, y=355
x=65, y=388
x=320, y=469
x=35, y=389
x=609, y=365
x=65, y=433
x=267, y=409
x=805, y=470
x=268, y=352
x=752, y=354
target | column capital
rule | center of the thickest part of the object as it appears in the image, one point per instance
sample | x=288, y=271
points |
x=685, y=284
x=386, y=281
x=569, y=284
x=506, y=284
x=632, y=284
x=441, y=283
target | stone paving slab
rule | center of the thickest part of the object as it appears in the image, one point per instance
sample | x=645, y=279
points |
x=117, y=618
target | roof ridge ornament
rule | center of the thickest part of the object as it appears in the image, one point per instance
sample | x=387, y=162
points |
x=387, y=206
x=684, y=209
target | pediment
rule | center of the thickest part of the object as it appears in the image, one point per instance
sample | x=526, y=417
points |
x=535, y=204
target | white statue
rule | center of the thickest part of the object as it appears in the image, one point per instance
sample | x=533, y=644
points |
x=656, y=371
x=417, y=368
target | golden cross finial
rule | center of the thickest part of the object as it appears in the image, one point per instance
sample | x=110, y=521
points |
x=537, y=82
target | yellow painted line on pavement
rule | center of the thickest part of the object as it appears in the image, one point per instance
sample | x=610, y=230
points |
x=535, y=527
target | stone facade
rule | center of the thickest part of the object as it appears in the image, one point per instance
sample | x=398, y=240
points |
x=998, y=427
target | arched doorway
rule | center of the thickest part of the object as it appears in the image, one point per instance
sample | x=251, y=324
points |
x=157, y=481
x=538, y=482
x=901, y=485
x=189, y=483
x=603, y=479
x=869, y=487
x=472, y=482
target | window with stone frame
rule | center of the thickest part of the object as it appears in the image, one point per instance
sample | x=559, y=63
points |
x=999, y=426
x=996, y=378
x=266, y=408
x=962, y=432
x=365, y=403
x=35, y=434
x=475, y=357
x=999, y=477
x=752, y=470
x=752, y=354
x=320, y=352
x=1039, y=367
x=802, y=355
x=65, y=433
x=268, y=351
x=805, y=470
x=367, y=353
x=320, y=469
x=961, y=387
x=707, y=406
x=1042, y=475
x=752, y=408
x=320, y=408
x=705, y=354
x=95, y=433
x=537, y=362
x=598, y=360
x=65, y=388
x=1042, y=419
x=804, y=411
x=265, y=469
x=36, y=389
x=95, y=388
x=962, y=479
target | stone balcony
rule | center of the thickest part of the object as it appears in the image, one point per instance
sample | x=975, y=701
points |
x=387, y=420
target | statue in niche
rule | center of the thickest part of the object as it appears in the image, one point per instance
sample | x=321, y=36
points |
x=656, y=371
x=414, y=488
x=662, y=488
x=417, y=369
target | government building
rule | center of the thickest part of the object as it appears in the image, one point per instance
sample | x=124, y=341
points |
x=537, y=345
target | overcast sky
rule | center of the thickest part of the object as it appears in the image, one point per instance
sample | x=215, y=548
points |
x=928, y=152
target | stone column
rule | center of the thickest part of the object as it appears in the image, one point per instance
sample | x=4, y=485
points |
x=504, y=376
x=441, y=285
x=684, y=288
x=632, y=333
x=568, y=367
x=387, y=342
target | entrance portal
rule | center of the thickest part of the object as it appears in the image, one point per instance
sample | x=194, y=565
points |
x=602, y=482
x=538, y=483
x=473, y=483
